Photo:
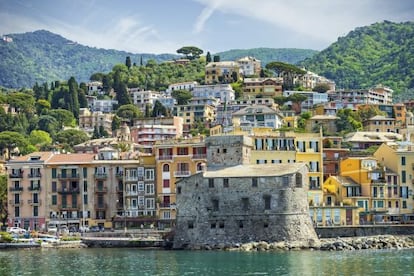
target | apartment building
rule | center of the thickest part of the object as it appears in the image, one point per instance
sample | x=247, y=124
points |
x=222, y=72
x=249, y=66
x=88, y=120
x=264, y=87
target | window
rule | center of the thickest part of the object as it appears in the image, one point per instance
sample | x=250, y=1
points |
x=213, y=225
x=245, y=203
x=215, y=204
x=225, y=182
x=35, y=211
x=85, y=172
x=403, y=176
x=211, y=182
x=141, y=201
x=17, y=211
x=54, y=173
x=149, y=174
x=254, y=182
x=166, y=215
x=54, y=186
x=221, y=224
x=85, y=186
x=403, y=160
x=149, y=189
x=54, y=199
x=240, y=224
x=404, y=204
x=150, y=203
x=299, y=180
x=166, y=168
x=182, y=151
x=140, y=186
x=190, y=224
x=267, y=202
x=166, y=183
x=85, y=199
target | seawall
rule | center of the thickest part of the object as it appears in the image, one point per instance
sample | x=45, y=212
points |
x=364, y=230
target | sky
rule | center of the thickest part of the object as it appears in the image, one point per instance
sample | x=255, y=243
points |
x=163, y=26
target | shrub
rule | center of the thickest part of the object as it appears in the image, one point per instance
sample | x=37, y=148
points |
x=5, y=237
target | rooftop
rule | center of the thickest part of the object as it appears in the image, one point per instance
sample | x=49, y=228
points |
x=261, y=170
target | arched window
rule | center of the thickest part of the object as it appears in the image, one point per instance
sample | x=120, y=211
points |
x=166, y=168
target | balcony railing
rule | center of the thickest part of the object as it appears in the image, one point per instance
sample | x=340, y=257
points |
x=165, y=157
x=165, y=205
x=68, y=207
x=16, y=175
x=68, y=176
x=15, y=189
x=34, y=202
x=15, y=202
x=34, y=188
x=101, y=206
x=34, y=175
x=182, y=173
x=199, y=156
x=119, y=174
x=68, y=191
x=101, y=175
x=101, y=189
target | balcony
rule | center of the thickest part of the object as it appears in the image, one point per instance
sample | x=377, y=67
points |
x=34, y=175
x=16, y=189
x=34, y=188
x=68, y=176
x=34, y=202
x=101, y=189
x=68, y=207
x=182, y=173
x=101, y=175
x=165, y=157
x=165, y=205
x=199, y=156
x=16, y=175
x=380, y=181
x=119, y=175
x=68, y=191
x=101, y=206
x=15, y=202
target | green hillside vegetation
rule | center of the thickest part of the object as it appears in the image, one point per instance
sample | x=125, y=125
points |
x=382, y=53
x=42, y=56
x=266, y=55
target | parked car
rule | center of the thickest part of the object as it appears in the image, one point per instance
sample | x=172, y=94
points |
x=52, y=228
x=16, y=230
x=96, y=228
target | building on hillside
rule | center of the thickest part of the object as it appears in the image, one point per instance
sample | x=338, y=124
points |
x=89, y=120
x=362, y=140
x=257, y=116
x=175, y=159
x=195, y=113
x=376, y=95
x=223, y=92
x=326, y=122
x=189, y=85
x=222, y=72
x=264, y=87
x=147, y=131
x=333, y=153
x=143, y=98
x=249, y=66
x=312, y=99
x=310, y=80
x=233, y=201
x=105, y=106
x=379, y=123
x=95, y=88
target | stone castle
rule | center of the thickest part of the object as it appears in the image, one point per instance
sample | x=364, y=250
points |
x=234, y=202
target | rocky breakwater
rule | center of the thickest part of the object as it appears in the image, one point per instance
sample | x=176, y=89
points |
x=369, y=242
x=332, y=244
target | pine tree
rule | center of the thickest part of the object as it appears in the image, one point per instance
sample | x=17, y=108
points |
x=208, y=57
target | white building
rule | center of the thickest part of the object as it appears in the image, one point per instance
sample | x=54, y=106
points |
x=223, y=92
x=181, y=86
x=313, y=98
x=249, y=66
x=104, y=106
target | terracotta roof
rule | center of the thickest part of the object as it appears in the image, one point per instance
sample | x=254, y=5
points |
x=72, y=158
x=34, y=156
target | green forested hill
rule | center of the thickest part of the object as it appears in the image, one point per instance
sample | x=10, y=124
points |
x=382, y=53
x=43, y=56
x=266, y=55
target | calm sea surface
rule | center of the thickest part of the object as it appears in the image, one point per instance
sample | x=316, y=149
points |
x=156, y=262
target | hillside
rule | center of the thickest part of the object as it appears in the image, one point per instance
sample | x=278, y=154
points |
x=267, y=55
x=43, y=56
x=379, y=53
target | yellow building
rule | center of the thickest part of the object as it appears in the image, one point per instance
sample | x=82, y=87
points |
x=175, y=159
x=266, y=87
x=222, y=72
x=400, y=159
x=193, y=113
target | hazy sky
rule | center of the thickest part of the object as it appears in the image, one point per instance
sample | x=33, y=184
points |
x=163, y=26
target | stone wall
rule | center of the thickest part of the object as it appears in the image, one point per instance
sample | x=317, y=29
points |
x=227, y=211
x=364, y=230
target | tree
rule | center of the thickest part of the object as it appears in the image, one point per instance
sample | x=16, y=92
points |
x=297, y=100
x=281, y=100
x=128, y=62
x=238, y=89
x=346, y=121
x=40, y=139
x=3, y=199
x=71, y=137
x=216, y=59
x=366, y=112
x=158, y=110
x=208, y=57
x=63, y=117
x=9, y=140
x=321, y=88
x=287, y=71
x=191, y=52
x=129, y=112
x=182, y=96
x=42, y=106
x=73, y=92
x=49, y=124
x=116, y=123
